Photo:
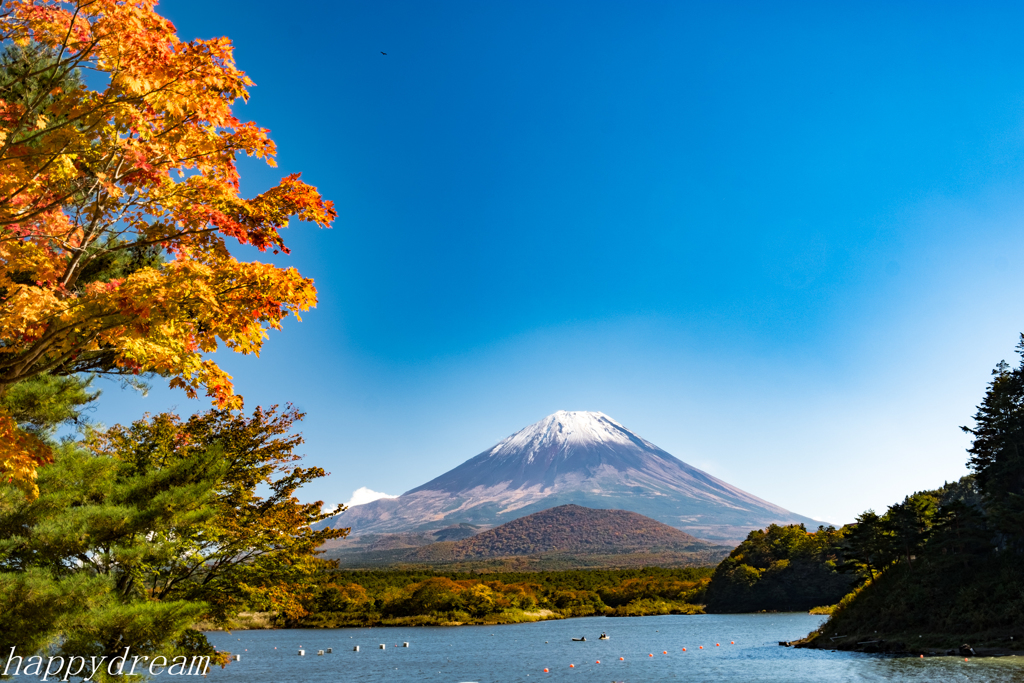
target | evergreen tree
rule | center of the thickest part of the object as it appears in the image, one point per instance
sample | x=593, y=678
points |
x=907, y=525
x=959, y=531
x=73, y=561
x=43, y=404
x=997, y=450
x=152, y=527
x=868, y=543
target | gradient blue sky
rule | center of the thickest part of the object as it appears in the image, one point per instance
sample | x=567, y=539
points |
x=775, y=239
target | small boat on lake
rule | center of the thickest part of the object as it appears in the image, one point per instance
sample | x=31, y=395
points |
x=604, y=636
x=580, y=640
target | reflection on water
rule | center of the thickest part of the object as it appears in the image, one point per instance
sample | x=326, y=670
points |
x=651, y=649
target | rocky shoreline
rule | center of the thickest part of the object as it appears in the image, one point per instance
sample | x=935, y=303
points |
x=878, y=645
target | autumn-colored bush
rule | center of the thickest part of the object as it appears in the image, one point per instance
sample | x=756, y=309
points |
x=417, y=597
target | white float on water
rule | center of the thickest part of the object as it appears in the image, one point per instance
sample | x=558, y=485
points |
x=302, y=653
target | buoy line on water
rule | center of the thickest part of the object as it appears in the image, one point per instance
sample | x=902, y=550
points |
x=651, y=654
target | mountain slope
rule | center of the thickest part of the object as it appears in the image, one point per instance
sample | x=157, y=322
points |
x=585, y=458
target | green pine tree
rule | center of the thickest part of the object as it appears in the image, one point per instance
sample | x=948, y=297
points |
x=997, y=450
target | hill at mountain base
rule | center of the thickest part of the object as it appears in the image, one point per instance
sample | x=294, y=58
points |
x=563, y=537
x=567, y=529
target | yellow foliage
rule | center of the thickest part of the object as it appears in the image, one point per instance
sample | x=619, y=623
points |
x=147, y=162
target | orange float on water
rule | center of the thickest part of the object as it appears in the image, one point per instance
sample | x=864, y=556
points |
x=922, y=656
x=572, y=666
x=597, y=662
x=664, y=652
x=732, y=642
x=702, y=647
x=651, y=654
x=684, y=649
x=965, y=659
x=545, y=670
x=717, y=645
x=621, y=659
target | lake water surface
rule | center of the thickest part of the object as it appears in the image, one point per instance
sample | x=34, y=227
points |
x=521, y=652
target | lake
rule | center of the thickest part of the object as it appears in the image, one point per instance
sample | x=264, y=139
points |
x=521, y=652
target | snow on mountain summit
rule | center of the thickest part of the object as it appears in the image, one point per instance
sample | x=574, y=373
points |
x=567, y=431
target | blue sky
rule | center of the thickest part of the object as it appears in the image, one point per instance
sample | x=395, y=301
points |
x=775, y=240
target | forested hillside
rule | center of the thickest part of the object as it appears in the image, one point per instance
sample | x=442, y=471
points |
x=946, y=567
x=782, y=569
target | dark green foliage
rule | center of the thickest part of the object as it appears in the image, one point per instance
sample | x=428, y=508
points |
x=75, y=561
x=959, y=530
x=867, y=544
x=946, y=565
x=114, y=260
x=30, y=73
x=997, y=451
x=943, y=602
x=154, y=527
x=44, y=403
x=946, y=521
x=934, y=572
x=780, y=569
x=908, y=524
x=36, y=605
x=258, y=542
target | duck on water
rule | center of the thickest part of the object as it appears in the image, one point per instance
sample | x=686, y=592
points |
x=603, y=636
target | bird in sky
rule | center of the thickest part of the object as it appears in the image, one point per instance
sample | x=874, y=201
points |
x=384, y=53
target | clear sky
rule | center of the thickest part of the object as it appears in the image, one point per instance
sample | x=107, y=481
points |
x=775, y=239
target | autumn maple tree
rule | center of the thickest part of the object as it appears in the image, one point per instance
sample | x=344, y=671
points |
x=119, y=197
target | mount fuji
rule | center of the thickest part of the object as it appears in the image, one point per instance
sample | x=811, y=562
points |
x=583, y=458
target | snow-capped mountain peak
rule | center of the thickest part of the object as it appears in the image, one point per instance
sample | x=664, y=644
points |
x=579, y=457
x=567, y=431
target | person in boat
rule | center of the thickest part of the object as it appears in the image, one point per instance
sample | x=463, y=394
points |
x=604, y=636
